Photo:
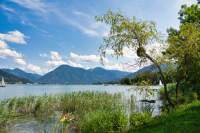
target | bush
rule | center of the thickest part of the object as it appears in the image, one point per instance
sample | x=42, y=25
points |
x=104, y=121
x=139, y=120
x=185, y=95
x=193, y=96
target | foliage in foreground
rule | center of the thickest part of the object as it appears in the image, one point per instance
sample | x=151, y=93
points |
x=185, y=119
x=99, y=110
x=185, y=95
x=80, y=102
x=103, y=121
x=139, y=120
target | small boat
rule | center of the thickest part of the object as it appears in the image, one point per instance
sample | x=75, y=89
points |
x=2, y=83
x=160, y=83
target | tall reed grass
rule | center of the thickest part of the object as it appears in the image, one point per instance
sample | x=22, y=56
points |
x=85, y=106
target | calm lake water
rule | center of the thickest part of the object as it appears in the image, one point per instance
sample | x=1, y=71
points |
x=32, y=126
x=19, y=90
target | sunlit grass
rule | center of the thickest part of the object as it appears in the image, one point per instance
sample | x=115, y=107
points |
x=91, y=112
x=79, y=104
x=185, y=119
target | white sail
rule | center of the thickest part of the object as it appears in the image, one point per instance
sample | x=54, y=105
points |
x=2, y=84
x=160, y=83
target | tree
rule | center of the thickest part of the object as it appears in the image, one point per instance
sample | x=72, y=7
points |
x=134, y=34
x=190, y=14
x=126, y=81
x=184, y=47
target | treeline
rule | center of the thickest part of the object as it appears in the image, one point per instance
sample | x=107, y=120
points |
x=152, y=78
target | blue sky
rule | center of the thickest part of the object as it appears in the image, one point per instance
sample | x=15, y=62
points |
x=39, y=35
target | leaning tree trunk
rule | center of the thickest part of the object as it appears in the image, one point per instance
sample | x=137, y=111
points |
x=162, y=79
x=177, y=90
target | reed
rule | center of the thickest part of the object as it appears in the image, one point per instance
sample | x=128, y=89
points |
x=80, y=104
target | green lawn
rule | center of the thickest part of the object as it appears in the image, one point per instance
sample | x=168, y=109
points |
x=186, y=119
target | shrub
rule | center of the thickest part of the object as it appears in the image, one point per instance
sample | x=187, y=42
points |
x=104, y=121
x=139, y=120
x=193, y=96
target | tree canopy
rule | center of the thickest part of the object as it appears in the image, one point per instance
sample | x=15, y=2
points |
x=184, y=48
x=134, y=34
x=190, y=14
x=184, y=44
x=127, y=32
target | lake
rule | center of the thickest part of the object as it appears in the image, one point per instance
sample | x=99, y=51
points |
x=20, y=90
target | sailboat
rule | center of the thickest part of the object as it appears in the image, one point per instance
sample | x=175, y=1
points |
x=160, y=83
x=2, y=83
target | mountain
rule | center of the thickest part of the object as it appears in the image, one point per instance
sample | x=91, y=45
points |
x=22, y=74
x=10, y=78
x=150, y=68
x=65, y=74
x=108, y=75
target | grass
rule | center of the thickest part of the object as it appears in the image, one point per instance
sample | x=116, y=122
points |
x=104, y=121
x=98, y=112
x=80, y=102
x=185, y=119
x=85, y=106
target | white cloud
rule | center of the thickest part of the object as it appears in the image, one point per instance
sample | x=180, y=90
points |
x=156, y=48
x=127, y=63
x=84, y=58
x=80, y=20
x=90, y=26
x=3, y=45
x=20, y=61
x=127, y=53
x=5, y=52
x=74, y=64
x=32, y=4
x=86, y=25
x=122, y=66
x=130, y=53
x=55, y=60
x=130, y=61
x=74, y=60
x=13, y=36
x=34, y=68
x=91, y=61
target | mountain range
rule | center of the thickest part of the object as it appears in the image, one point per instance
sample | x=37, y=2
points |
x=150, y=68
x=22, y=74
x=66, y=74
x=11, y=79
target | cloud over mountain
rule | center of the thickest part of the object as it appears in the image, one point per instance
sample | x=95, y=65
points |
x=13, y=36
x=7, y=52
